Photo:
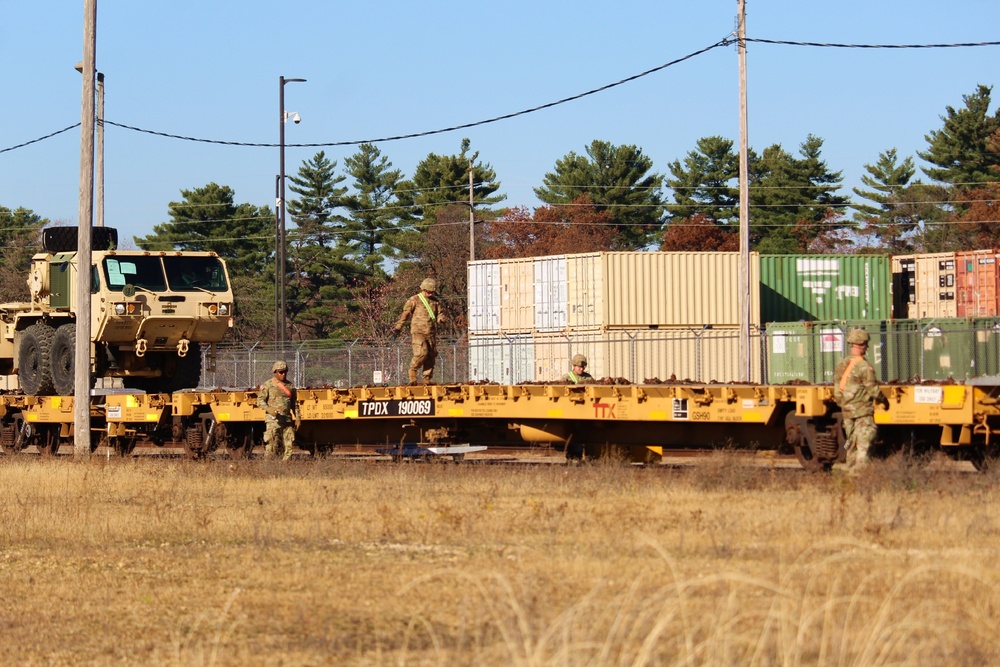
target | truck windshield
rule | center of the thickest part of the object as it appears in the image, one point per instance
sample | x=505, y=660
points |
x=195, y=274
x=143, y=271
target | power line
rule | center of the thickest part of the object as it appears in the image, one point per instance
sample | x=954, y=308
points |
x=835, y=45
x=35, y=141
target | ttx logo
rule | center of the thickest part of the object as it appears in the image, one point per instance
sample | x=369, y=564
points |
x=604, y=410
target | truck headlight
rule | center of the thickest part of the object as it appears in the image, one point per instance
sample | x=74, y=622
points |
x=119, y=309
x=223, y=309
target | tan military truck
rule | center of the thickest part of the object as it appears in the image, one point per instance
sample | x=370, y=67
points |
x=152, y=314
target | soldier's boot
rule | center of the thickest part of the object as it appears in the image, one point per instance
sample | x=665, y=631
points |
x=413, y=376
x=427, y=377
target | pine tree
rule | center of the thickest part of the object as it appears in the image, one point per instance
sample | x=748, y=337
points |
x=889, y=220
x=959, y=150
x=616, y=178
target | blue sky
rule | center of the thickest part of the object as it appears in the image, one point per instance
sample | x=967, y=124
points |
x=210, y=68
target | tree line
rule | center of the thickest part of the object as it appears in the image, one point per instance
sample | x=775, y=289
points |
x=362, y=236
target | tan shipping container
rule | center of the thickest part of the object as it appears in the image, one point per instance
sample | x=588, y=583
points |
x=654, y=289
x=517, y=295
x=934, y=284
x=698, y=355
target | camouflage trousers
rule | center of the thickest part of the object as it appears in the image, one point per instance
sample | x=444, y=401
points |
x=860, y=433
x=424, y=356
x=278, y=431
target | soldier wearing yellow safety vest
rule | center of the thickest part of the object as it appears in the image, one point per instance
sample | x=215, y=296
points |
x=579, y=373
x=425, y=314
x=856, y=392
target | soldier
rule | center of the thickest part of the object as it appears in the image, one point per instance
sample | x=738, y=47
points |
x=277, y=399
x=579, y=372
x=855, y=390
x=425, y=313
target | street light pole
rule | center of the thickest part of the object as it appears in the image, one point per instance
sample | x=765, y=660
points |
x=280, y=250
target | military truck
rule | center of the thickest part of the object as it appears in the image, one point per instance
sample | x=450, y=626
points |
x=152, y=314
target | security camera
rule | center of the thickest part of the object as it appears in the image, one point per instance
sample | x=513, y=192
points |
x=296, y=119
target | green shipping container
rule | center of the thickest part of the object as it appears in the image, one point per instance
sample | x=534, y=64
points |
x=810, y=351
x=938, y=349
x=825, y=287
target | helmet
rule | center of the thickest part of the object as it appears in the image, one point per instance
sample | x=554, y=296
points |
x=857, y=337
x=429, y=285
x=279, y=366
x=579, y=360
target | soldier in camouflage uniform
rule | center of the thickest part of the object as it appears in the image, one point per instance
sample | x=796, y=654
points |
x=277, y=399
x=856, y=391
x=425, y=313
x=579, y=372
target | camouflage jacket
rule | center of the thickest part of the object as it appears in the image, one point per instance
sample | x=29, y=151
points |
x=854, y=387
x=420, y=319
x=271, y=395
x=577, y=378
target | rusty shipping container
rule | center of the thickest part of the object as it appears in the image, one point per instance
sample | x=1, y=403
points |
x=620, y=290
x=976, y=280
x=825, y=287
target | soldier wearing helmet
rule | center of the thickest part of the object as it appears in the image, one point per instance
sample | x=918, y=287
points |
x=856, y=391
x=578, y=373
x=425, y=314
x=277, y=399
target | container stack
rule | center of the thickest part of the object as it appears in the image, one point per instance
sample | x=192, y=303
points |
x=634, y=315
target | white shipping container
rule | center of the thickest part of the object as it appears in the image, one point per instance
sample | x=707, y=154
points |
x=585, y=290
x=550, y=293
x=484, y=296
x=517, y=295
x=500, y=358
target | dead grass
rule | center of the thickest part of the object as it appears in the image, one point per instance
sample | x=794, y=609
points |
x=332, y=562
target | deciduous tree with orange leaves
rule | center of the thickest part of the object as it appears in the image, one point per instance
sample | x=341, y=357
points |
x=552, y=230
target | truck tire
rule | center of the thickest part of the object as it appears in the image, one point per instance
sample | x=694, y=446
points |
x=63, y=360
x=34, y=372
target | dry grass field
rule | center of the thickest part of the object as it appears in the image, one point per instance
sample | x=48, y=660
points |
x=147, y=562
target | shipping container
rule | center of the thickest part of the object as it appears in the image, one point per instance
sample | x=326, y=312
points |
x=977, y=280
x=550, y=293
x=810, y=351
x=904, y=287
x=641, y=355
x=506, y=359
x=825, y=287
x=986, y=353
x=934, y=285
x=629, y=290
x=517, y=295
x=484, y=296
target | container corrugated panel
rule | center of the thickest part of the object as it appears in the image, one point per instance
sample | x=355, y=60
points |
x=825, y=287
x=810, y=351
x=553, y=352
x=940, y=348
x=484, y=296
x=977, y=281
x=550, y=293
x=705, y=355
x=585, y=290
x=934, y=285
x=503, y=359
x=517, y=295
x=643, y=289
x=987, y=345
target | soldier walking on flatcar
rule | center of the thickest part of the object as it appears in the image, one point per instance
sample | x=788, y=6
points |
x=425, y=314
x=277, y=399
x=856, y=391
x=578, y=374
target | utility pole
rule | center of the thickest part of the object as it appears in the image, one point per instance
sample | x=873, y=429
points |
x=84, y=252
x=745, y=299
x=472, y=217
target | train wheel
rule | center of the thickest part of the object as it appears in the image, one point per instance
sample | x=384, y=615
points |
x=816, y=452
x=237, y=439
x=34, y=367
x=194, y=441
x=10, y=440
x=62, y=357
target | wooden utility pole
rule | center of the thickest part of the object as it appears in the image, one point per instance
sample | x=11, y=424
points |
x=84, y=253
x=745, y=299
x=472, y=217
